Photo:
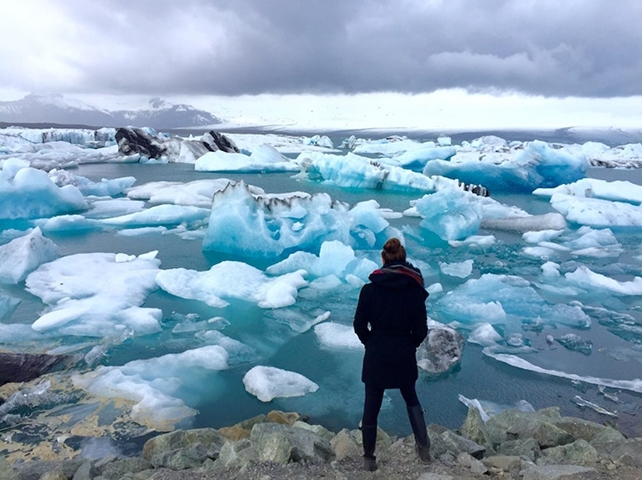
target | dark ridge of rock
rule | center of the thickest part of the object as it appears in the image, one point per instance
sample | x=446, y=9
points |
x=478, y=190
x=214, y=141
x=22, y=367
x=136, y=141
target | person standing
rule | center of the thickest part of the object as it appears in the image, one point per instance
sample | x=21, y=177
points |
x=391, y=322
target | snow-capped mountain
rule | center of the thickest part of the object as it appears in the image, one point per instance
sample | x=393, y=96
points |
x=64, y=111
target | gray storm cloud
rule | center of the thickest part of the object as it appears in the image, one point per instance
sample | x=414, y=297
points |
x=585, y=48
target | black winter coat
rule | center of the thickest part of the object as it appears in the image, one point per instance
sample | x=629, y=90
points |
x=391, y=322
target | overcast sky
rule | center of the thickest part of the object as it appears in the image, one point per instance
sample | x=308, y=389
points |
x=547, y=48
x=587, y=48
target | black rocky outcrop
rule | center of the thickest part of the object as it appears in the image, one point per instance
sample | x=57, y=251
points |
x=133, y=141
x=22, y=367
x=215, y=141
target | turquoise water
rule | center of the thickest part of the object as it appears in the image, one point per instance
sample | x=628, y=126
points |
x=220, y=397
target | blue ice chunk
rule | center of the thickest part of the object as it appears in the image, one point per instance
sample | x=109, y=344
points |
x=498, y=299
x=450, y=213
x=538, y=165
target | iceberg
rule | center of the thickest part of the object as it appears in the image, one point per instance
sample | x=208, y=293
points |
x=535, y=165
x=23, y=255
x=268, y=383
x=264, y=158
x=97, y=294
x=617, y=191
x=460, y=269
x=263, y=226
x=151, y=384
x=160, y=215
x=232, y=280
x=27, y=193
x=498, y=299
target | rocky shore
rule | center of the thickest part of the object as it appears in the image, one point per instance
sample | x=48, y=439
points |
x=510, y=445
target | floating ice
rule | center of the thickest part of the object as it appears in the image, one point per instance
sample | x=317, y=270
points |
x=460, y=269
x=298, y=320
x=354, y=171
x=450, y=213
x=264, y=226
x=267, y=383
x=334, y=258
x=596, y=212
x=96, y=294
x=505, y=298
x=502, y=169
x=7, y=305
x=152, y=383
x=23, y=255
x=264, y=158
x=484, y=335
x=489, y=409
x=541, y=235
x=336, y=335
x=474, y=241
x=575, y=343
x=584, y=278
x=68, y=223
x=232, y=280
x=160, y=215
x=30, y=193
x=546, y=222
x=632, y=385
x=88, y=187
x=620, y=191
x=198, y=193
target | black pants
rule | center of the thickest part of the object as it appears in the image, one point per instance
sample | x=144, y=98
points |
x=374, y=398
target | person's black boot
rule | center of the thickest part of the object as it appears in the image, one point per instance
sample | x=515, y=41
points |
x=422, y=440
x=369, y=436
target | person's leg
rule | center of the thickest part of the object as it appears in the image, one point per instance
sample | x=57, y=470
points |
x=371, y=407
x=417, y=422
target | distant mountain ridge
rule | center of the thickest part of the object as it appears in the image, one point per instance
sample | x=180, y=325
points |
x=60, y=110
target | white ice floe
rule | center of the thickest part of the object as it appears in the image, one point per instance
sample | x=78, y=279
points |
x=268, y=383
x=23, y=255
x=197, y=193
x=232, y=280
x=336, y=335
x=97, y=294
x=594, y=282
x=618, y=191
x=264, y=158
x=485, y=335
x=152, y=384
x=633, y=385
x=596, y=212
x=159, y=215
x=458, y=269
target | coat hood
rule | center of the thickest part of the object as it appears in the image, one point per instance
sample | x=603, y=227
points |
x=398, y=275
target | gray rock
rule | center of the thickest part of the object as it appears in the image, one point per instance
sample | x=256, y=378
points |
x=607, y=441
x=515, y=424
x=192, y=456
x=580, y=452
x=35, y=469
x=6, y=470
x=506, y=463
x=85, y=472
x=466, y=460
x=579, y=428
x=235, y=455
x=475, y=429
x=117, y=468
x=628, y=453
x=450, y=442
x=306, y=445
x=441, y=351
x=181, y=439
x=22, y=367
x=559, y=472
x=435, y=476
x=318, y=429
x=528, y=448
x=55, y=475
x=344, y=445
